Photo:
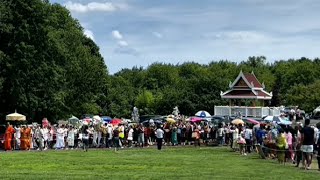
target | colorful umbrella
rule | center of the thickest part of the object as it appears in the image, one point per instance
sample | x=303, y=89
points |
x=196, y=119
x=116, y=122
x=106, y=118
x=237, y=121
x=252, y=121
x=171, y=120
x=170, y=116
x=203, y=114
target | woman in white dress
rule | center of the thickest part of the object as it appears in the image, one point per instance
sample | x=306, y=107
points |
x=60, y=138
x=45, y=134
x=70, y=139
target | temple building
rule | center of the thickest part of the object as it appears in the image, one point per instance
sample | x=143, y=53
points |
x=246, y=87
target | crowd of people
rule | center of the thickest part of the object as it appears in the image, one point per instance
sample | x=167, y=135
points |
x=284, y=143
x=37, y=137
x=279, y=142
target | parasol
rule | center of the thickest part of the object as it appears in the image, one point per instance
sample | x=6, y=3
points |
x=170, y=120
x=203, y=114
x=237, y=121
x=116, y=122
x=15, y=117
x=73, y=120
x=196, y=119
x=252, y=121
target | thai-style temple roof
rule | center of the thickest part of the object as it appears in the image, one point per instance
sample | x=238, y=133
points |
x=246, y=86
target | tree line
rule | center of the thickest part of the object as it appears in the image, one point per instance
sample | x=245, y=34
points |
x=49, y=68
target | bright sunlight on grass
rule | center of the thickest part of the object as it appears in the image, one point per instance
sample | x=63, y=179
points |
x=170, y=163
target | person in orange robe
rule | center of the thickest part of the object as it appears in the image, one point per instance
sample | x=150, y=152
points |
x=23, y=138
x=8, y=138
x=28, y=138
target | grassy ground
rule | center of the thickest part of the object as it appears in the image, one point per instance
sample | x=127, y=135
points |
x=170, y=163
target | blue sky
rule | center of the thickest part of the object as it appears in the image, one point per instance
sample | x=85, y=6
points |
x=141, y=32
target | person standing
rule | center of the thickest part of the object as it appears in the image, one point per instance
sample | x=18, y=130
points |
x=159, y=136
x=29, y=137
x=248, y=139
x=60, y=138
x=196, y=137
x=130, y=137
x=17, y=136
x=289, y=138
x=109, y=135
x=23, y=138
x=39, y=137
x=45, y=133
x=121, y=135
x=141, y=135
x=116, y=140
x=85, y=138
x=174, y=140
x=308, y=139
x=8, y=137
x=318, y=147
x=71, y=135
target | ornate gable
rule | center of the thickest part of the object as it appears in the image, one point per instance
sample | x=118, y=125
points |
x=246, y=86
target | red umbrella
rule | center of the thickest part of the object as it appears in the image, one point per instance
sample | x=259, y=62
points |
x=116, y=122
x=253, y=121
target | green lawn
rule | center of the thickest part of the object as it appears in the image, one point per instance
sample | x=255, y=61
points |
x=170, y=163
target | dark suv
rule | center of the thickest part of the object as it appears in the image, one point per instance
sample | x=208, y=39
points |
x=2, y=132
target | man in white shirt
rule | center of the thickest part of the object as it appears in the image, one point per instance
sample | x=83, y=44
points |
x=248, y=138
x=159, y=135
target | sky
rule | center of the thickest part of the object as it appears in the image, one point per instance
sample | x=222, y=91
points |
x=141, y=32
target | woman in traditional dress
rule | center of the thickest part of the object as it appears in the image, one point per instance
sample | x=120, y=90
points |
x=8, y=138
x=174, y=139
x=70, y=138
x=60, y=138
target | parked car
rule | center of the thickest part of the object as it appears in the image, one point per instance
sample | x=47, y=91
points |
x=2, y=132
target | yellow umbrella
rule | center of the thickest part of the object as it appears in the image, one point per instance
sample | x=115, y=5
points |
x=15, y=117
x=170, y=120
x=237, y=121
x=170, y=116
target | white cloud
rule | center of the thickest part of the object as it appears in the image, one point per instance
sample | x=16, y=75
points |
x=94, y=7
x=116, y=34
x=126, y=51
x=157, y=34
x=241, y=36
x=89, y=34
x=123, y=43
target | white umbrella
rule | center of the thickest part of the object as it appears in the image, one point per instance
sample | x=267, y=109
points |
x=203, y=114
x=272, y=118
x=15, y=117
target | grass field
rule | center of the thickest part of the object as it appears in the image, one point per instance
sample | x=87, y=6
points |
x=170, y=163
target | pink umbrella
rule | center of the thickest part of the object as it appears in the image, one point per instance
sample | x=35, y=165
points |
x=196, y=119
x=253, y=121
